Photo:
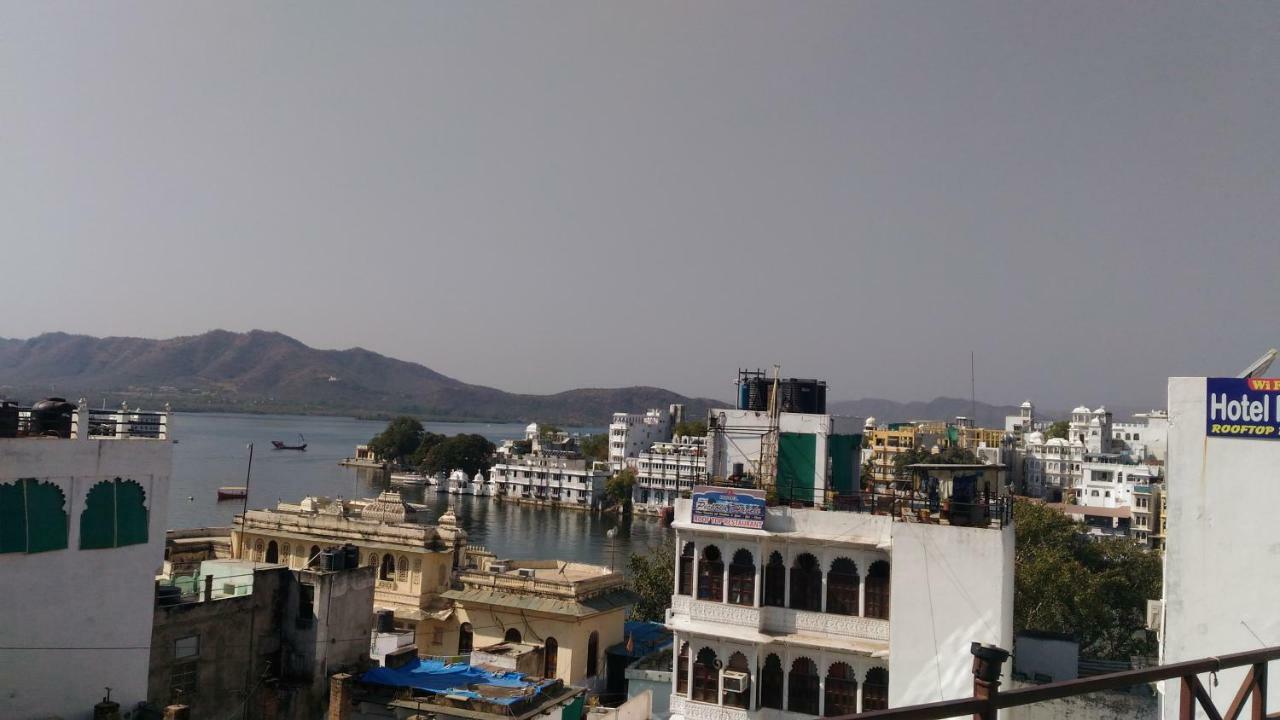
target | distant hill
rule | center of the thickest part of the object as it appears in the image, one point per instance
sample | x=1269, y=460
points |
x=940, y=408
x=262, y=371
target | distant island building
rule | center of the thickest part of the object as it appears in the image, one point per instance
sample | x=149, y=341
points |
x=548, y=469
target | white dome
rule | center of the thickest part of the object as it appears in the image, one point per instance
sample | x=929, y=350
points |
x=1081, y=409
x=1035, y=438
x=1102, y=410
x=1094, y=422
x=870, y=422
x=531, y=427
x=1026, y=403
x=1056, y=442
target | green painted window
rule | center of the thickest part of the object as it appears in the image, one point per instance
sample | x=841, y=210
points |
x=33, y=517
x=115, y=515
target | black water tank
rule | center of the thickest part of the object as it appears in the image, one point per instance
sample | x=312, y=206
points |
x=352, y=554
x=106, y=710
x=386, y=621
x=168, y=595
x=52, y=416
x=326, y=560
x=8, y=419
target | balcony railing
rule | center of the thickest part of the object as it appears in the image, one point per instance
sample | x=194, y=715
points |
x=781, y=620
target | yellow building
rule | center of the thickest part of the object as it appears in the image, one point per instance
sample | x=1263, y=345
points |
x=884, y=445
x=414, y=559
x=574, y=611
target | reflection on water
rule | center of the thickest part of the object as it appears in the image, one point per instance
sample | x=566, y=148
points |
x=212, y=452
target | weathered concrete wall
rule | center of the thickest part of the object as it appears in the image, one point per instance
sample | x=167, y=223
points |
x=951, y=586
x=1095, y=706
x=1222, y=561
x=75, y=598
x=238, y=636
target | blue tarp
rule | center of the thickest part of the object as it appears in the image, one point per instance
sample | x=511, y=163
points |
x=645, y=637
x=450, y=679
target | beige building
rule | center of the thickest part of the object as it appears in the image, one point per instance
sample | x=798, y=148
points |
x=573, y=610
x=414, y=559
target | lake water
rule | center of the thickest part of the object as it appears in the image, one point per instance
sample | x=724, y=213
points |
x=212, y=451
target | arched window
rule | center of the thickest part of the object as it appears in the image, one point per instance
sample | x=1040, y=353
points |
x=273, y=552
x=373, y=557
x=115, y=515
x=550, y=653
x=387, y=571
x=842, y=587
x=33, y=517
x=258, y=550
x=875, y=691
x=841, y=696
x=711, y=575
x=802, y=687
x=878, y=590
x=738, y=699
x=593, y=653
x=742, y=578
x=771, y=683
x=286, y=551
x=682, y=670
x=775, y=581
x=464, y=638
x=402, y=566
x=706, y=677
x=684, y=584
x=513, y=636
x=806, y=584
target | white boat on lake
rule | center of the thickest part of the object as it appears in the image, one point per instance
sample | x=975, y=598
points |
x=409, y=478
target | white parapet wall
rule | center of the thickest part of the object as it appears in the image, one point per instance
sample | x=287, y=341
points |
x=952, y=586
x=1222, y=560
x=76, y=621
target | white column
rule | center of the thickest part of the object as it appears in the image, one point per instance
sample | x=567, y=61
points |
x=693, y=579
x=676, y=589
x=753, y=673
x=755, y=593
x=724, y=581
x=859, y=693
x=786, y=578
x=693, y=655
x=826, y=572
x=862, y=595
x=786, y=679
x=822, y=692
x=675, y=658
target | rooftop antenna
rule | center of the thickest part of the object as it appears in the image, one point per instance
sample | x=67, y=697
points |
x=1259, y=366
x=973, y=396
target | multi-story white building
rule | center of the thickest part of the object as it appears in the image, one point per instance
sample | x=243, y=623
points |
x=553, y=479
x=666, y=470
x=811, y=613
x=1108, y=481
x=83, y=500
x=1050, y=465
x=633, y=433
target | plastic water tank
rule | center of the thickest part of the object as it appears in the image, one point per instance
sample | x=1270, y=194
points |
x=352, y=556
x=168, y=595
x=52, y=416
x=8, y=419
x=386, y=621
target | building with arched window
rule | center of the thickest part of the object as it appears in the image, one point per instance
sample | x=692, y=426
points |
x=413, y=559
x=813, y=612
x=83, y=503
x=575, y=611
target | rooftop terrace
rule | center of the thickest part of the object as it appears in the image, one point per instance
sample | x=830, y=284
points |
x=56, y=418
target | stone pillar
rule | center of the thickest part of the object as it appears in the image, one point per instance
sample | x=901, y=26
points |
x=822, y=601
x=675, y=658
x=81, y=425
x=724, y=582
x=822, y=693
x=786, y=680
x=177, y=712
x=786, y=579
x=339, y=697
x=862, y=596
x=754, y=673
x=693, y=655
x=693, y=581
x=676, y=589
x=755, y=594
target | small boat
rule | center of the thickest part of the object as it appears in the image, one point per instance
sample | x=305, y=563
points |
x=232, y=492
x=280, y=445
x=409, y=478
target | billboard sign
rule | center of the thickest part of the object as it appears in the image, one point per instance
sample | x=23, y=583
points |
x=1243, y=408
x=728, y=507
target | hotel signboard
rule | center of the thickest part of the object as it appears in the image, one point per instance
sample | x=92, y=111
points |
x=1243, y=408
x=728, y=507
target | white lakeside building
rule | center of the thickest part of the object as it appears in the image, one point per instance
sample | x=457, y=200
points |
x=666, y=470
x=824, y=612
x=633, y=433
x=87, y=492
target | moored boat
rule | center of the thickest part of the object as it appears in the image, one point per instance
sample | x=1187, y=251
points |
x=408, y=478
x=281, y=445
x=232, y=492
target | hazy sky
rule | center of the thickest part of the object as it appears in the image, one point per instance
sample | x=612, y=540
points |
x=539, y=195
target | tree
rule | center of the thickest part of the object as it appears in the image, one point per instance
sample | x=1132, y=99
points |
x=469, y=453
x=1060, y=429
x=690, y=428
x=594, y=447
x=1094, y=590
x=653, y=580
x=428, y=441
x=947, y=456
x=400, y=438
x=617, y=489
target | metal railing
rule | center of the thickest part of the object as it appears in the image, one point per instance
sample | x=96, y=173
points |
x=987, y=699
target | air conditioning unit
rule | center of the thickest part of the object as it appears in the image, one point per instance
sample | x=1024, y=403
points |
x=736, y=682
x=527, y=572
x=497, y=567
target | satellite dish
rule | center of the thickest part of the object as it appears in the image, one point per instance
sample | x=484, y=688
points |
x=1259, y=366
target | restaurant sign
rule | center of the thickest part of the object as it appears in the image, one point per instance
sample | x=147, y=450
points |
x=1243, y=408
x=728, y=507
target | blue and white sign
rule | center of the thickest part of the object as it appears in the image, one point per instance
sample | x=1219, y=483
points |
x=1243, y=408
x=728, y=507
